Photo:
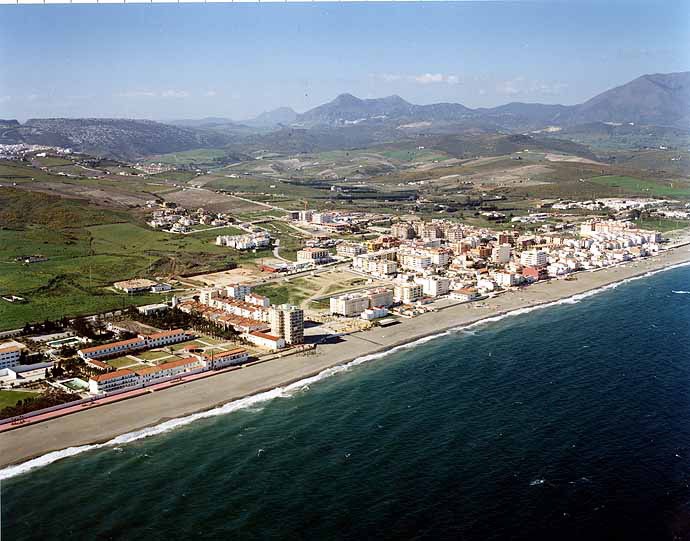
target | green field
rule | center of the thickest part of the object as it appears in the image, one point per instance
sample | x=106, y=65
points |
x=210, y=234
x=121, y=362
x=10, y=398
x=662, y=224
x=84, y=260
x=152, y=355
x=290, y=239
x=650, y=188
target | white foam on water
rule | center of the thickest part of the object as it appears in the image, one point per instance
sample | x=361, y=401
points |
x=292, y=388
x=681, y=292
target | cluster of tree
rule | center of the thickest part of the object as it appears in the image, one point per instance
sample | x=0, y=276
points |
x=46, y=327
x=177, y=319
x=94, y=329
x=73, y=367
x=53, y=397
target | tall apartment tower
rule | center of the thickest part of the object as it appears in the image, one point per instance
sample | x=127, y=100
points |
x=287, y=321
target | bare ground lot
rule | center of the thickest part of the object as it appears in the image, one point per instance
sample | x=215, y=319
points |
x=566, y=158
x=98, y=196
x=209, y=200
x=234, y=276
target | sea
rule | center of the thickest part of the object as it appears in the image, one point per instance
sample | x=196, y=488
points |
x=571, y=421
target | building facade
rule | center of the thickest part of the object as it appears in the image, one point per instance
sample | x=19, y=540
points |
x=287, y=321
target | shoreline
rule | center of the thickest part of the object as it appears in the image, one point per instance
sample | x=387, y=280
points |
x=161, y=411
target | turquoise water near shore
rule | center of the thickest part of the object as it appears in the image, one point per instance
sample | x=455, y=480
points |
x=571, y=421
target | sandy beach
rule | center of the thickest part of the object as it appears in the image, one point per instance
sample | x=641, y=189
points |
x=103, y=423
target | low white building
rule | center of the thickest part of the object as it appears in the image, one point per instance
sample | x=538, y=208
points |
x=265, y=340
x=374, y=313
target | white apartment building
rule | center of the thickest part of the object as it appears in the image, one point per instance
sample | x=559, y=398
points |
x=9, y=356
x=507, y=279
x=353, y=304
x=403, y=230
x=287, y=321
x=350, y=249
x=501, y=254
x=534, y=258
x=439, y=257
x=238, y=291
x=245, y=242
x=408, y=293
x=349, y=305
x=313, y=255
x=414, y=261
x=433, y=286
x=258, y=300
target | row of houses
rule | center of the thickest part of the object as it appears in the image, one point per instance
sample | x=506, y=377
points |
x=141, y=342
x=126, y=379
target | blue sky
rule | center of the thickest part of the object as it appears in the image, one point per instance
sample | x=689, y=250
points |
x=166, y=61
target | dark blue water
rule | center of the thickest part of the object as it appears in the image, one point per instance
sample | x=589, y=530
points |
x=570, y=422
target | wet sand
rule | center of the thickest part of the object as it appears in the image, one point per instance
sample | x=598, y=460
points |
x=105, y=422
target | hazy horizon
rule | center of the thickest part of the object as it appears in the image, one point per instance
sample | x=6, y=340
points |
x=187, y=61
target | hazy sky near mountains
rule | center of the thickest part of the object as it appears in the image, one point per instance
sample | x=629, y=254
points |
x=235, y=60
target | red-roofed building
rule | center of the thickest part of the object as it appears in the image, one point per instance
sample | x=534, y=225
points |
x=99, y=365
x=165, y=338
x=112, y=349
x=113, y=381
x=534, y=274
x=170, y=369
x=226, y=358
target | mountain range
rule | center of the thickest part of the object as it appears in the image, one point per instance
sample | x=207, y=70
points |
x=661, y=100
x=658, y=99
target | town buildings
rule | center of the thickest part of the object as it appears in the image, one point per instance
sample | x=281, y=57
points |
x=259, y=239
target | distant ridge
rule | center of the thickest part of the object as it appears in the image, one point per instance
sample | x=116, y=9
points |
x=661, y=100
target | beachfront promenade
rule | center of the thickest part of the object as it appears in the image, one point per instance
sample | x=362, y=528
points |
x=103, y=423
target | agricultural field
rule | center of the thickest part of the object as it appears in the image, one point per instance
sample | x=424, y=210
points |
x=199, y=155
x=290, y=239
x=649, y=188
x=662, y=225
